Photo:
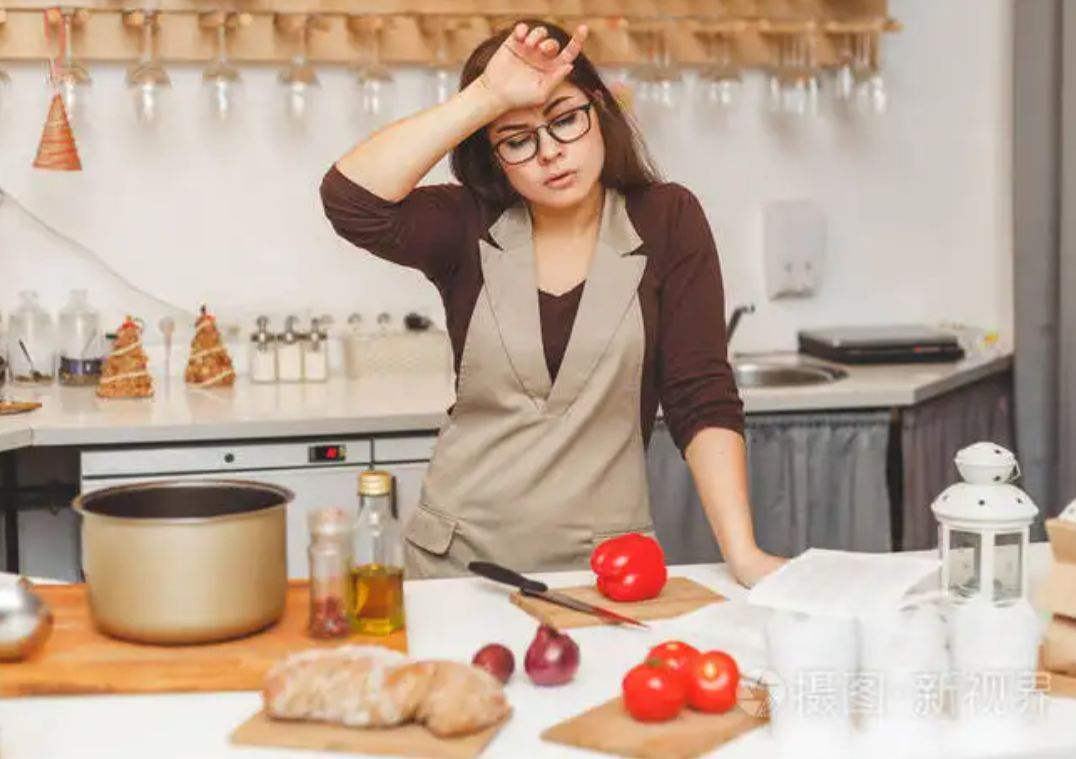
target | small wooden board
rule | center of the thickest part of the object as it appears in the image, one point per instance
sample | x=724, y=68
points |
x=609, y=728
x=407, y=740
x=679, y=596
x=77, y=659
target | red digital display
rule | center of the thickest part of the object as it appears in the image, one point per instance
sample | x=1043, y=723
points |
x=328, y=453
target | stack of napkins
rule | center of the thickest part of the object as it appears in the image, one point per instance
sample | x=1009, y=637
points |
x=846, y=584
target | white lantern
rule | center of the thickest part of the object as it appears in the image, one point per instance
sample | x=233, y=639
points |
x=984, y=528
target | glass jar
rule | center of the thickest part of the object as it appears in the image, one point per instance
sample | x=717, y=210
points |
x=329, y=554
x=31, y=342
x=377, y=561
x=81, y=342
x=263, y=358
x=290, y=353
x=316, y=354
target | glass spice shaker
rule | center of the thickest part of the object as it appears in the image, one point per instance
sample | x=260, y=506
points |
x=316, y=354
x=290, y=353
x=330, y=572
x=263, y=353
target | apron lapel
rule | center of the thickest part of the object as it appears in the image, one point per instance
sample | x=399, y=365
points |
x=511, y=284
x=611, y=287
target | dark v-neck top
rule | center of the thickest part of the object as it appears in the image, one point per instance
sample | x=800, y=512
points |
x=436, y=230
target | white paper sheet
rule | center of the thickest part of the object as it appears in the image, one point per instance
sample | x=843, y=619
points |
x=843, y=583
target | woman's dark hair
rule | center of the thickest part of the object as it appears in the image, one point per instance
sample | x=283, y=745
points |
x=627, y=167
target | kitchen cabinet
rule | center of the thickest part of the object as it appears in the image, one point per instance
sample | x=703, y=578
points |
x=815, y=479
x=320, y=473
x=846, y=480
x=407, y=481
x=406, y=458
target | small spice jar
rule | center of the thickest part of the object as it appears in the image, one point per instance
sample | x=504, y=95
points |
x=263, y=353
x=316, y=354
x=290, y=353
x=330, y=573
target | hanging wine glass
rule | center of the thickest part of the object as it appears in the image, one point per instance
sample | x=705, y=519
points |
x=722, y=80
x=443, y=75
x=375, y=83
x=300, y=80
x=147, y=79
x=667, y=88
x=844, y=82
x=5, y=85
x=645, y=81
x=870, y=91
x=72, y=79
x=222, y=81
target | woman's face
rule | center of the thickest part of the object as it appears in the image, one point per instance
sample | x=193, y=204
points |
x=547, y=171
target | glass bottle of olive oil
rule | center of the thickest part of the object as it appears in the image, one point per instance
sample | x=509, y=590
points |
x=377, y=560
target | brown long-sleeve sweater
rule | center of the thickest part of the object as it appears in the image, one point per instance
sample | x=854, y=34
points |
x=436, y=229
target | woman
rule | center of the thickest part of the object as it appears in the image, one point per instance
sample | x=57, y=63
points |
x=579, y=294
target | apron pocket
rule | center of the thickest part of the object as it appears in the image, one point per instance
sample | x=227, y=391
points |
x=430, y=531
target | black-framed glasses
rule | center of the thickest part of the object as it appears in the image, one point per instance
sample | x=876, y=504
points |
x=567, y=127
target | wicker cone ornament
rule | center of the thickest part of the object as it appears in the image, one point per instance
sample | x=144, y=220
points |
x=57, y=150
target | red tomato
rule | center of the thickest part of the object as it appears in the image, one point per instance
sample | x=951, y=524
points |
x=653, y=693
x=675, y=655
x=713, y=680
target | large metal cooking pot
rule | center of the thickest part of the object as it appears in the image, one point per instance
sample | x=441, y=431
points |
x=185, y=561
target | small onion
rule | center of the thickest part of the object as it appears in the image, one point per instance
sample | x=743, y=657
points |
x=497, y=660
x=552, y=658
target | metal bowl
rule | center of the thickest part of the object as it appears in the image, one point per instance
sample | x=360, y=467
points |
x=25, y=620
x=185, y=561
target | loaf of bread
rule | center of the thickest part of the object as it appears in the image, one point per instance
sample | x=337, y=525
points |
x=374, y=687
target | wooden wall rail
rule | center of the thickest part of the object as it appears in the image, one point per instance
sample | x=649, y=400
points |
x=264, y=31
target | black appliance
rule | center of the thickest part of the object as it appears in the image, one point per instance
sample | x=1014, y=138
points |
x=885, y=344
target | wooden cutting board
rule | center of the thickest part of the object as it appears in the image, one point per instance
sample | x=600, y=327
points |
x=609, y=728
x=679, y=596
x=77, y=659
x=407, y=740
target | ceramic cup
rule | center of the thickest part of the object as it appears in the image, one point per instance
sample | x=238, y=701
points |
x=813, y=662
x=905, y=668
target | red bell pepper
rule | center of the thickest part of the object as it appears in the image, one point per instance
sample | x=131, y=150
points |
x=629, y=567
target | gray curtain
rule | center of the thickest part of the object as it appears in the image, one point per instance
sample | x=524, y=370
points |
x=931, y=434
x=1044, y=266
x=816, y=480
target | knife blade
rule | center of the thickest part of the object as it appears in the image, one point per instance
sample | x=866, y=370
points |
x=536, y=589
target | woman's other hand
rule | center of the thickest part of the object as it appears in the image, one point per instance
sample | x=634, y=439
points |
x=529, y=65
x=755, y=566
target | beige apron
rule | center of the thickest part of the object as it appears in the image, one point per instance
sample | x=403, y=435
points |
x=527, y=472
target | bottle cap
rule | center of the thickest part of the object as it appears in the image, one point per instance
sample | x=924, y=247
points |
x=375, y=483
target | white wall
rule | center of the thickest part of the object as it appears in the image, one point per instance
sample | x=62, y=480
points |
x=917, y=201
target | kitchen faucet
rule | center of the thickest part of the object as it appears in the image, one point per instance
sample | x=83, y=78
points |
x=734, y=320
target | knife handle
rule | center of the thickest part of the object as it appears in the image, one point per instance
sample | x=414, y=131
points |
x=506, y=576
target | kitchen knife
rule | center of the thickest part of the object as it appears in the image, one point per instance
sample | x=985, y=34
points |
x=536, y=589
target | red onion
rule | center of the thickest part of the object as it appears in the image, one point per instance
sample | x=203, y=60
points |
x=552, y=658
x=497, y=660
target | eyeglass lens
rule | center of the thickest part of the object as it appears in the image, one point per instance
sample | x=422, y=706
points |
x=567, y=127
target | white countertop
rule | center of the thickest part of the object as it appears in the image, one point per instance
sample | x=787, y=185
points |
x=396, y=403
x=453, y=619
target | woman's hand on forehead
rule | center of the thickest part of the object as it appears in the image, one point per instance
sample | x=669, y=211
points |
x=530, y=65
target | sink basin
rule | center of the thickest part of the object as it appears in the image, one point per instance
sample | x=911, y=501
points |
x=774, y=374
